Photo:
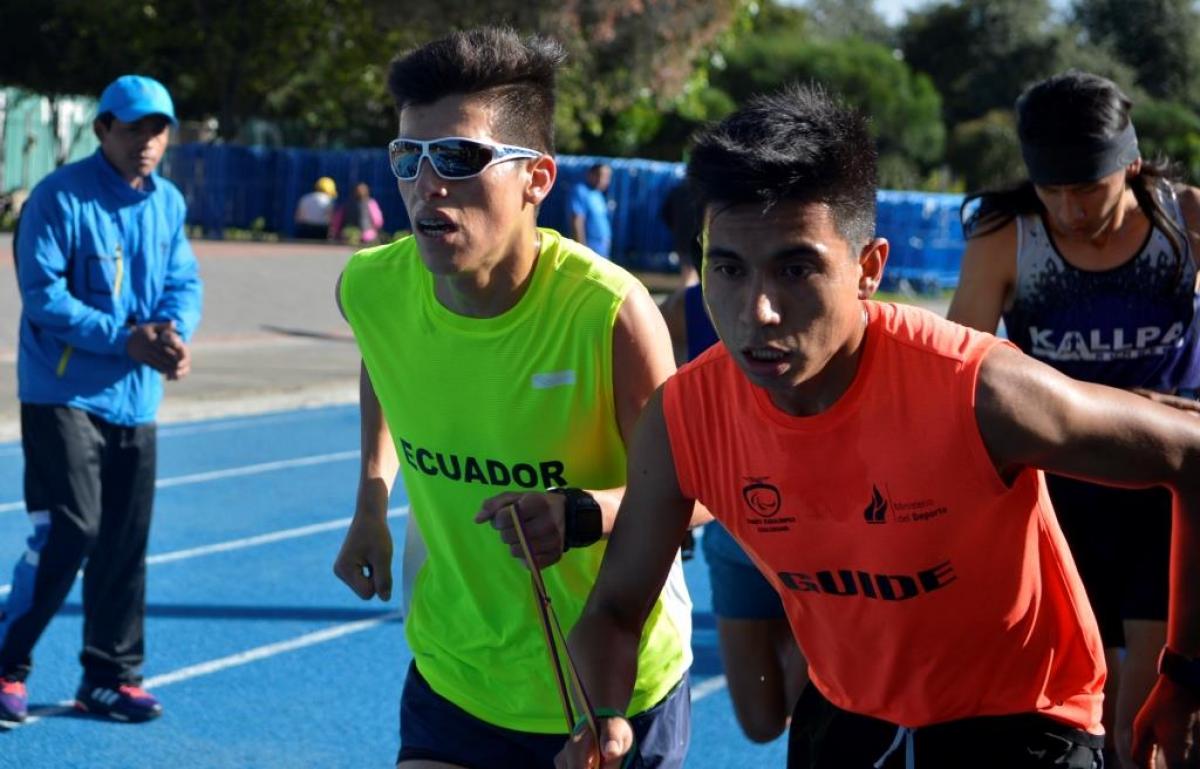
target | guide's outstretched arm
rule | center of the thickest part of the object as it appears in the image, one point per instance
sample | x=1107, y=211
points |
x=1113, y=437
x=653, y=517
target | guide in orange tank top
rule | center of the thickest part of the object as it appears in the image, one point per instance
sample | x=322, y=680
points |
x=904, y=553
x=884, y=469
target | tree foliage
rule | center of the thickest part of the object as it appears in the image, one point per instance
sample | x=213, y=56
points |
x=1159, y=39
x=981, y=53
x=63, y=47
x=642, y=74
x=985, y=151
x=320, y=65
x=1074, y=51
x=904, y=107
x=839, y=19
x=214, y=54
x=1168, y=130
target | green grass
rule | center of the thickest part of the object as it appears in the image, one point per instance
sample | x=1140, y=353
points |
x=896, y=296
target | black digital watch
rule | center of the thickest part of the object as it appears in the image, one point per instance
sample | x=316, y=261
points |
x=1184, y=671
x=583, y=523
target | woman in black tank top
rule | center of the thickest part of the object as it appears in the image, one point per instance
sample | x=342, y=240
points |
x=1063, y=257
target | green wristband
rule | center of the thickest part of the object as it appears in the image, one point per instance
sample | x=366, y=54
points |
x=600, y=713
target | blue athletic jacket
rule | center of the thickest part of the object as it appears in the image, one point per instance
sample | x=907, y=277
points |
x=95, y=256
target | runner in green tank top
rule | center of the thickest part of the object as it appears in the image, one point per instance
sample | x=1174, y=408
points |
x=499, y=361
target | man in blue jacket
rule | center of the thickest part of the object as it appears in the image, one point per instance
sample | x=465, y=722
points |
x=110, y=296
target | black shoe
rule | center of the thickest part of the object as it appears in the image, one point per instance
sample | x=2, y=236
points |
x=124, y=703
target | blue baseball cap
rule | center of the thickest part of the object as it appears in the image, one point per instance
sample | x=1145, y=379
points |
x=132, y=97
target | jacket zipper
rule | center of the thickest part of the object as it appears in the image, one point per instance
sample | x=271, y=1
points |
x=62, y=362
x=117, y=280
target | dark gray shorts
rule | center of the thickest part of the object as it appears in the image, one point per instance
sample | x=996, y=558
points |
x=434, y=729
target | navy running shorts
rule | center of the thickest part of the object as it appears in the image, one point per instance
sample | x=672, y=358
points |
x=739, y=590
x=434, y=729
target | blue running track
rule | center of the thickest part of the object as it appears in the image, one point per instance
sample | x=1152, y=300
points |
x=262, y=658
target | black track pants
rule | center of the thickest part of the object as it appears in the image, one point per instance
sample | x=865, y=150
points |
x=89, y=490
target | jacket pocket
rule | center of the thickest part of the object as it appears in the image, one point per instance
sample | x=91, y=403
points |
x=104, y=274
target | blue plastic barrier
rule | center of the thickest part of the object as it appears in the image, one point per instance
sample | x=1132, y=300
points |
x=640, y=238
x=926, y=239
x=232, y=186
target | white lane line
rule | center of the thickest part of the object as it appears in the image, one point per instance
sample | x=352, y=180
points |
x=231, y=472
x=231, y=661
x=270, y=650
x=239, y=544
x=708, y=686
x=261, y=539
x=196, y=428
x=38, y=713
x=213, y=426
x=262, y=467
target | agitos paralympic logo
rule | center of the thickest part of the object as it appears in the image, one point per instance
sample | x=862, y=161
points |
x=762, y=497
x=764, y=502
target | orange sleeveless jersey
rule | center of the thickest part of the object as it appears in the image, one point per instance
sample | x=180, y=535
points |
x=920, y=586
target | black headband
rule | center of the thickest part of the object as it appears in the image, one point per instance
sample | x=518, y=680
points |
x=1080, y=162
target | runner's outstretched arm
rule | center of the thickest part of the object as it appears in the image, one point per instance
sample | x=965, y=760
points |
x=653, y=517
x=1117, y=438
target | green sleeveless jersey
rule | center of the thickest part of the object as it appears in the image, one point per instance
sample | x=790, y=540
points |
x=478, y=406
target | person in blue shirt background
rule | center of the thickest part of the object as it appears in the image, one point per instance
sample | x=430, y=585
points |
x=590, y=224
x=110, y=297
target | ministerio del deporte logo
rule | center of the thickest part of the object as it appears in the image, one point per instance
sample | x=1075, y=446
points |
x=877, y=508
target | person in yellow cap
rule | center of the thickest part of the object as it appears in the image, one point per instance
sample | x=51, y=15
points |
x=315, y=210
